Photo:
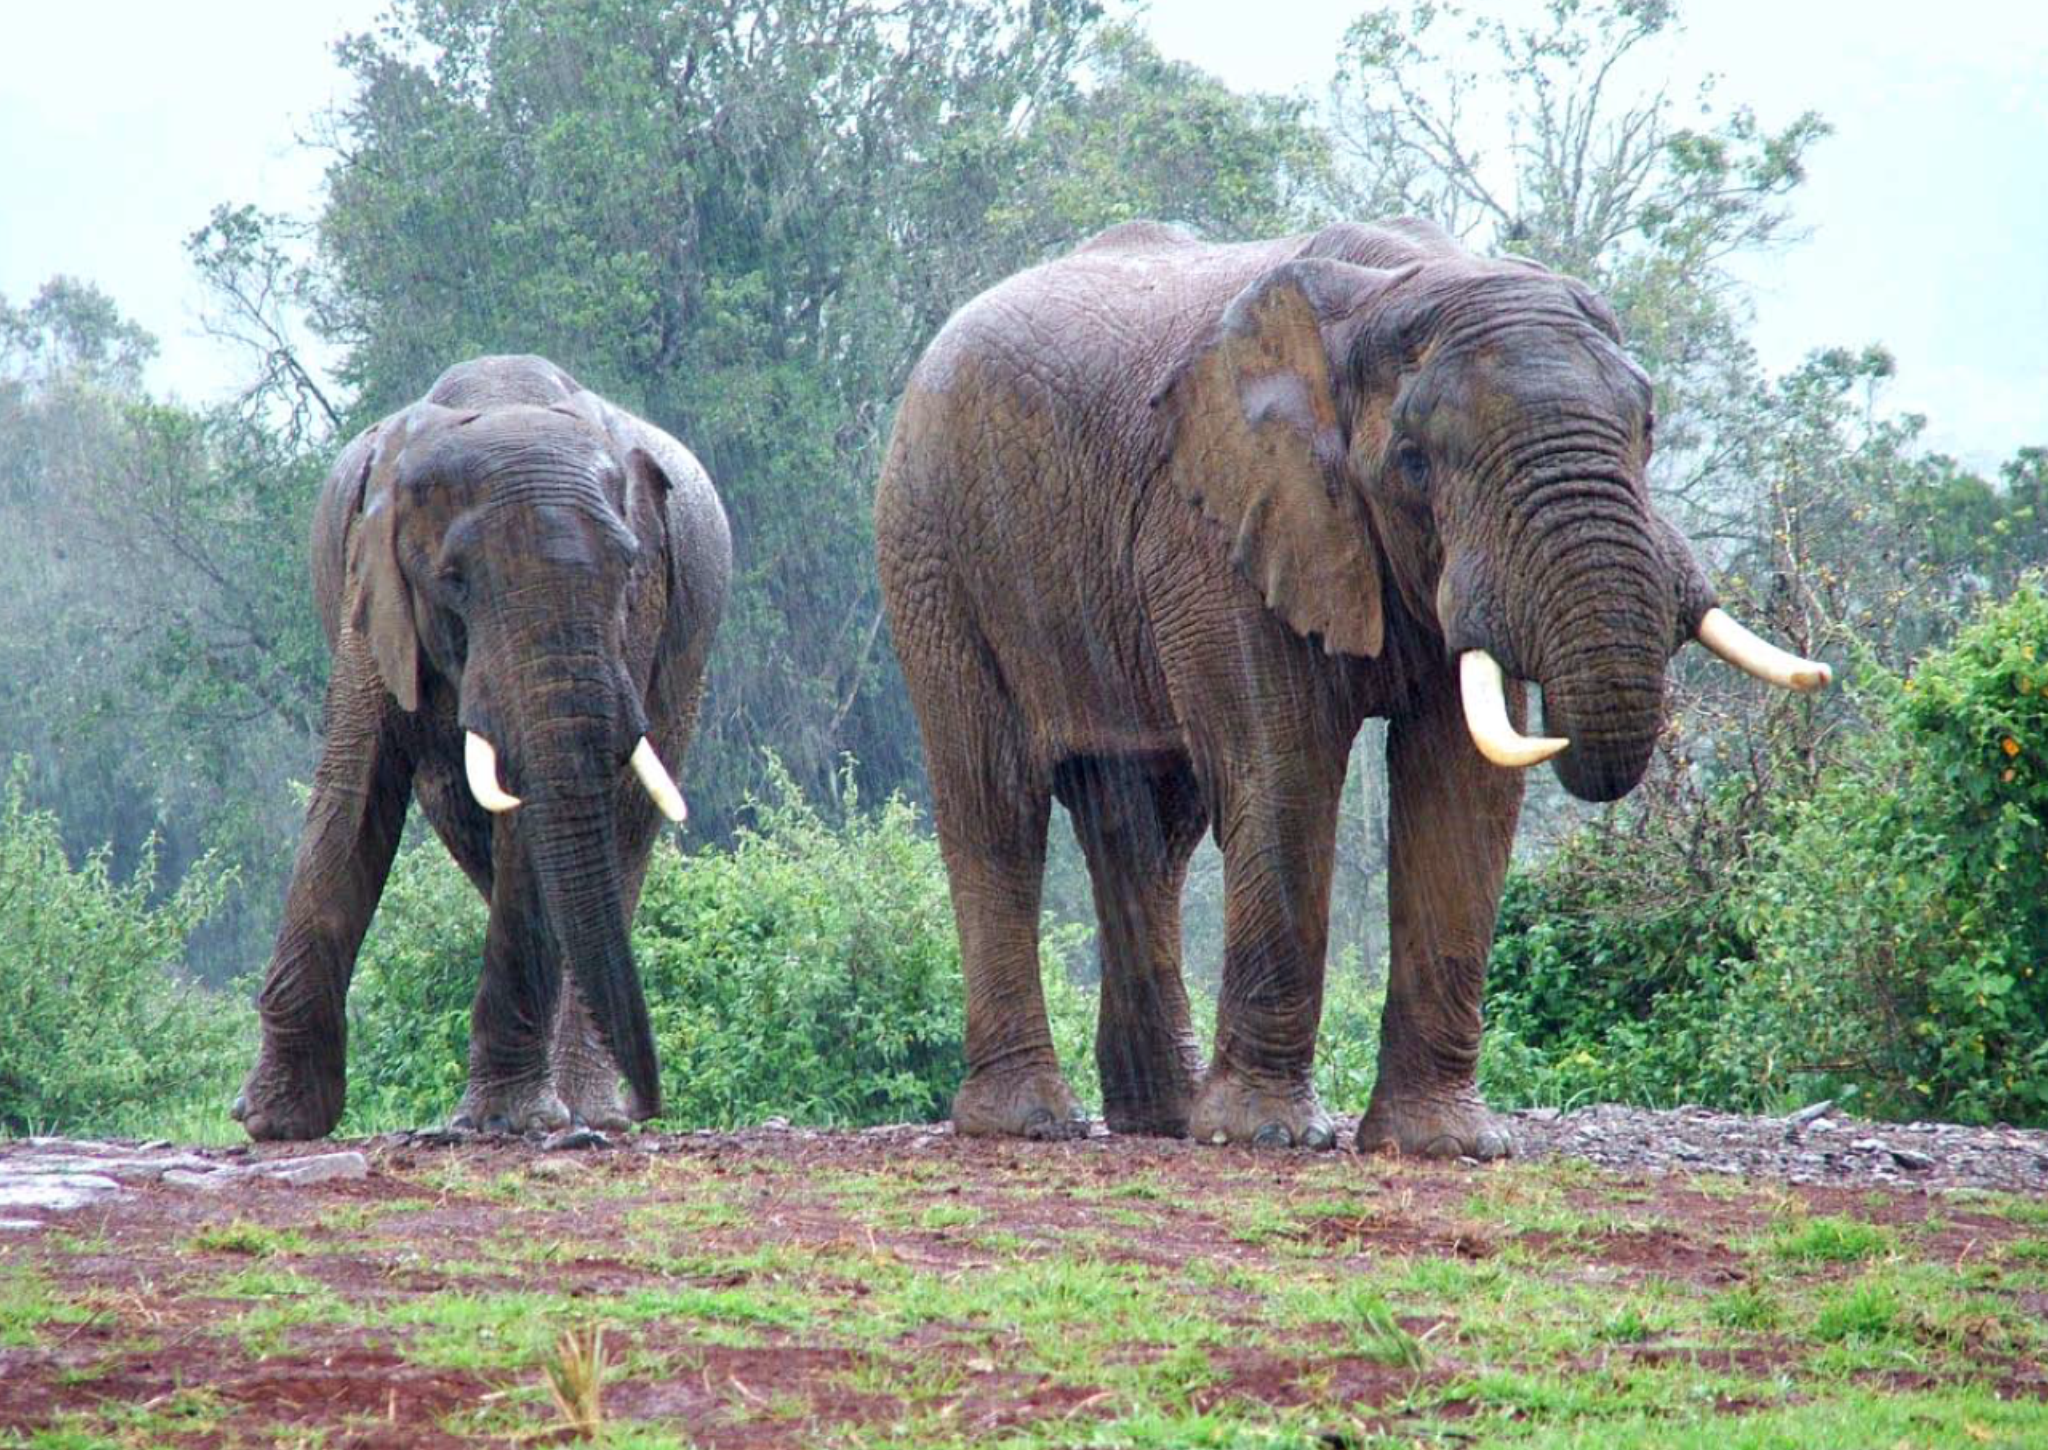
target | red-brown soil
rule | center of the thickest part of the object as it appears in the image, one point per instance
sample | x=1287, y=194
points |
x=797, y=1235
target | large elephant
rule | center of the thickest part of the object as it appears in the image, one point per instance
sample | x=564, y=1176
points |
x=1162, y=523
x=519, y=583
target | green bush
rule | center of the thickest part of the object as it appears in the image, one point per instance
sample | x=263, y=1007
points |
x=1879, y=935
x=1900, y=918
x=1602, y=988
x=809, y=972
x=97, y=1029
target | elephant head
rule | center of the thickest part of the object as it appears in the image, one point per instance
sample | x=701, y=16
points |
x=1472, y=435
x=492, y=566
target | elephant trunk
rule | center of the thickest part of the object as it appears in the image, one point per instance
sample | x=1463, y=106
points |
x=1587, y=610
x=571, y=767
x=1603, y=627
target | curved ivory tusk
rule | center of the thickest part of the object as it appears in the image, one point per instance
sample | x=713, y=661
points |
x=1720, y=633
x=480, y=764
x=1485, y=691
x=647, y=765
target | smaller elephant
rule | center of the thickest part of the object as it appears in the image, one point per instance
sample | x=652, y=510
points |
x=520, y=583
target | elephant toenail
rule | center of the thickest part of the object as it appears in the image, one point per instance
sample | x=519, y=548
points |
x=1273, y=1135
x=1319, y=1137
x=497, y=1123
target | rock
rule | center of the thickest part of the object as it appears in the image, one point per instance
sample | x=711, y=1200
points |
x=320, y=1168
x=573, y=1139
x=298, y=1172
x=126, y=1168
x=20, y=1225
x=1797, y=1122
x=54, y=1192
x=775, y=1125
x=1912, y=1159
x=1867, y=1145
x=1543, y=1115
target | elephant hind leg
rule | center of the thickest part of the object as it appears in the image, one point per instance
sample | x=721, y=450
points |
x=1138, y=820
x=990, y=804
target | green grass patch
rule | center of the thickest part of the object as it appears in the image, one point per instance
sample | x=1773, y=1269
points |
x=257, y=1241
x=1832, y=1240
x=27, y=1303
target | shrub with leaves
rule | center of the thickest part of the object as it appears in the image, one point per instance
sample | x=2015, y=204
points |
x=97, y=1026
x=809, y=972
x=1901, y=917
x=1879, y=932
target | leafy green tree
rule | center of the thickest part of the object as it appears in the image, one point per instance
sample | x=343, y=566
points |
x=163, y=665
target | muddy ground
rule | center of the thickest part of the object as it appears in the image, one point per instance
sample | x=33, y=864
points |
x=1633, y=1277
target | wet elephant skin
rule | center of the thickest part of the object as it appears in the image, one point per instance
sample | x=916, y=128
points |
x=1161, y=524
x=516, y=558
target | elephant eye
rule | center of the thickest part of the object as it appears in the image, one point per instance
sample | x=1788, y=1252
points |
x=454, y=582
x=1413, y=463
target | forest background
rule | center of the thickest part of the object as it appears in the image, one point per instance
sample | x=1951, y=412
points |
x=744, y=220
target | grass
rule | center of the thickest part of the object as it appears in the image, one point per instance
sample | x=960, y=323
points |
x=1832, y=1240
x=1052, y=1300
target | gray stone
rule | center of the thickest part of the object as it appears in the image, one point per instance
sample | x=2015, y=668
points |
x=320, y=1168
x=571, y=1139
x=299, y=1172
x=54, y=1192
x=1912, y=1159
x=211, y=1182
x=1811, y=1113
x=128, y=1168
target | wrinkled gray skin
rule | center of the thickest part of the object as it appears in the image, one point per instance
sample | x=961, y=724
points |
x=515, y=556
x=1161, y=525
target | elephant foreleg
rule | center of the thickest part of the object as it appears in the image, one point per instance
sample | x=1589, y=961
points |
x=1137, y=822
x=1451, y=826
x=511, y=1084
x=353, y=823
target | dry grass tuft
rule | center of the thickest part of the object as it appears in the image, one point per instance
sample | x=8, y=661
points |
x=576, y=1379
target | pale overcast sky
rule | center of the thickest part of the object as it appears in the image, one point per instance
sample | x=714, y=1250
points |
x=122, y=124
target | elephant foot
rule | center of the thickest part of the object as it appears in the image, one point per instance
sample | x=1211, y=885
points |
x=289, y=1097
x=594, y=1100
x=1457, y=1124
x=1262, y=1112
x=511, y=1109
x=1154, y=1105
x=586, y=1079
x=1030, y=1102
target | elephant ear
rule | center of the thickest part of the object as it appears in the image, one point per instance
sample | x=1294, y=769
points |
x=647, y=489
x=383, y=612
x=1258, y=440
